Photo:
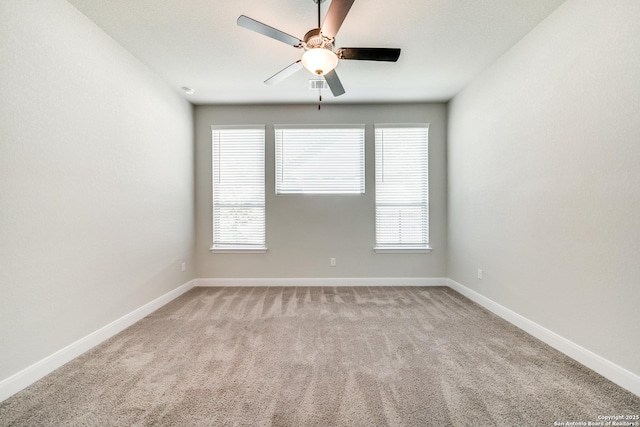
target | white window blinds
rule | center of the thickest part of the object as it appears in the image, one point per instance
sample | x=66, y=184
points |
x=319, y=159
x=402, y=186
x=238, y=187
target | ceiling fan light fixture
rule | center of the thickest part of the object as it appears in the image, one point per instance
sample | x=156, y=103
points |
x=319, y=56
x=319, y=61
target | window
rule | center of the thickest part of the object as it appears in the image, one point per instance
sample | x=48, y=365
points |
x=402, y=187
x=319, y=159
x=238, y=188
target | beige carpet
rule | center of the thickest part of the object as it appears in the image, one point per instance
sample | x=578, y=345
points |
x=319, y=357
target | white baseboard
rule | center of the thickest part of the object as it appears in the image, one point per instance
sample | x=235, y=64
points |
x=323, y=281
x=604, y=367
x=625, y=379
x=31, y=374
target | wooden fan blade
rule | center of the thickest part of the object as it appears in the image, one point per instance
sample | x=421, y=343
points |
x=335, y=17
x=264, y=29
x=284, y=73
x=368, y=53
x=334, y=83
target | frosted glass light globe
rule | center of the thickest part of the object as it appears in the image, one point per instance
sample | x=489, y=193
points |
x=319, y=61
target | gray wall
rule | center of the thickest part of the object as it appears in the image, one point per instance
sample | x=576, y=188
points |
x=96, y=182
x=544, y=178
x=303, y=232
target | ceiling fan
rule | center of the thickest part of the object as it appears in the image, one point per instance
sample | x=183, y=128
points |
x=319, y=56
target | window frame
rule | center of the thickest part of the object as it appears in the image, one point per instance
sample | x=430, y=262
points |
x=278, y=177
x=218, y=247
x=424, y=246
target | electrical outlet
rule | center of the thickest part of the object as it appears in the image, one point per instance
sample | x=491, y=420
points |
x=184, y=266
x=332, y=262
x=479, y=274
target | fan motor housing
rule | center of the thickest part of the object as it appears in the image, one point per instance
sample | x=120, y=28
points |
x=314, y=39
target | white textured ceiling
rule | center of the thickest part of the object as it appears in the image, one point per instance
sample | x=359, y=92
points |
x=196, y=43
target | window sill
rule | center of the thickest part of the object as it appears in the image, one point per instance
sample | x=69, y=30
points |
x=402, y=249
x=237, y=250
